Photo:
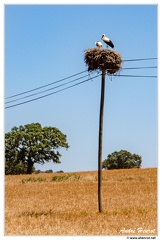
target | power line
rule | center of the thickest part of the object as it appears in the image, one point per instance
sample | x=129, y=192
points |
x=137, y=68
x=68, y=83
x=47, y=89
x=138, y=59
x=144, y=76
x=51, y=93
x=140, y=76
x=46, y=85
x=120, y=75
x=63, y=79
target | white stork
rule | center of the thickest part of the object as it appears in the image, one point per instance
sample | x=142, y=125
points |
x=107, y=41
x=98, y=44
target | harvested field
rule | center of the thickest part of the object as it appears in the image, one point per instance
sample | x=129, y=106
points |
x=67, y=203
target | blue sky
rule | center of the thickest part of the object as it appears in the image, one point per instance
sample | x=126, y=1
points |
x=45, y=43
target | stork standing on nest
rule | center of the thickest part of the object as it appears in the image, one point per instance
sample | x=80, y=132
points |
x=98, y=44
x=107, y=41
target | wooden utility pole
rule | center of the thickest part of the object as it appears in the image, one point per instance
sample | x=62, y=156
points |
x=108, y=61
x=100, y=141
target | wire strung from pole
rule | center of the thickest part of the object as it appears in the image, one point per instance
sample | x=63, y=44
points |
x=63, y=84
x=70, y=82
x=121, y=75
x=74, y=86
x=139, y=76
x=139, y=59
x=52, y=93
x=134, y=68
x=46, y=85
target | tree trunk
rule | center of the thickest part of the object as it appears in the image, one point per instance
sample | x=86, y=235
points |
x=30, y=165
x=100, y=142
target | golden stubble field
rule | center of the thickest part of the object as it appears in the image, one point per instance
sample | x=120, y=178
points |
x=35, y=205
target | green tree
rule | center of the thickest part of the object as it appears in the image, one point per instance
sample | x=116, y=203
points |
x=33, y=143
x=14, y=168
x=122, y=159
x=49, y=171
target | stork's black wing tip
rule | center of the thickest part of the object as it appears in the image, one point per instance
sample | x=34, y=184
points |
x=111, y=44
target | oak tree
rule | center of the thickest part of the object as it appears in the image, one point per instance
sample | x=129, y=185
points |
x=33, y=143
x=122, y=159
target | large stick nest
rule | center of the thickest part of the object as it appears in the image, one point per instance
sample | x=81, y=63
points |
x=103, y=59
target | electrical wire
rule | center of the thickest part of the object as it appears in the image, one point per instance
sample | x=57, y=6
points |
x=130, y=68
x=139, y=59
x=120, y=75
x=52, y=92
x=63, y=84
x=46, y=85
x=63, y=79
x=134, y=68
x=74, y=86
x=141, y=76
x=72, y=81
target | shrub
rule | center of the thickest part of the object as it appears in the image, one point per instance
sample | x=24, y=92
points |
x=66, y=177
x=32, y=179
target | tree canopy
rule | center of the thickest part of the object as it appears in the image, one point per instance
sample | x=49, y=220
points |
x=33, y=143
x=122, y=159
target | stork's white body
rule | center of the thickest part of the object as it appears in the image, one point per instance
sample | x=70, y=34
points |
x=107, y=41
x=98, y=44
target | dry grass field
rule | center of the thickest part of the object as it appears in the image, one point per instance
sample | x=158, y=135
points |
x=68, y=205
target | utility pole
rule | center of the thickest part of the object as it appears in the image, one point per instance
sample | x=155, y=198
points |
x=107, y=61
x=100, y=141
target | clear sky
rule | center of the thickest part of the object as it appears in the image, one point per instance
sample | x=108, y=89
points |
x=46, y=43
